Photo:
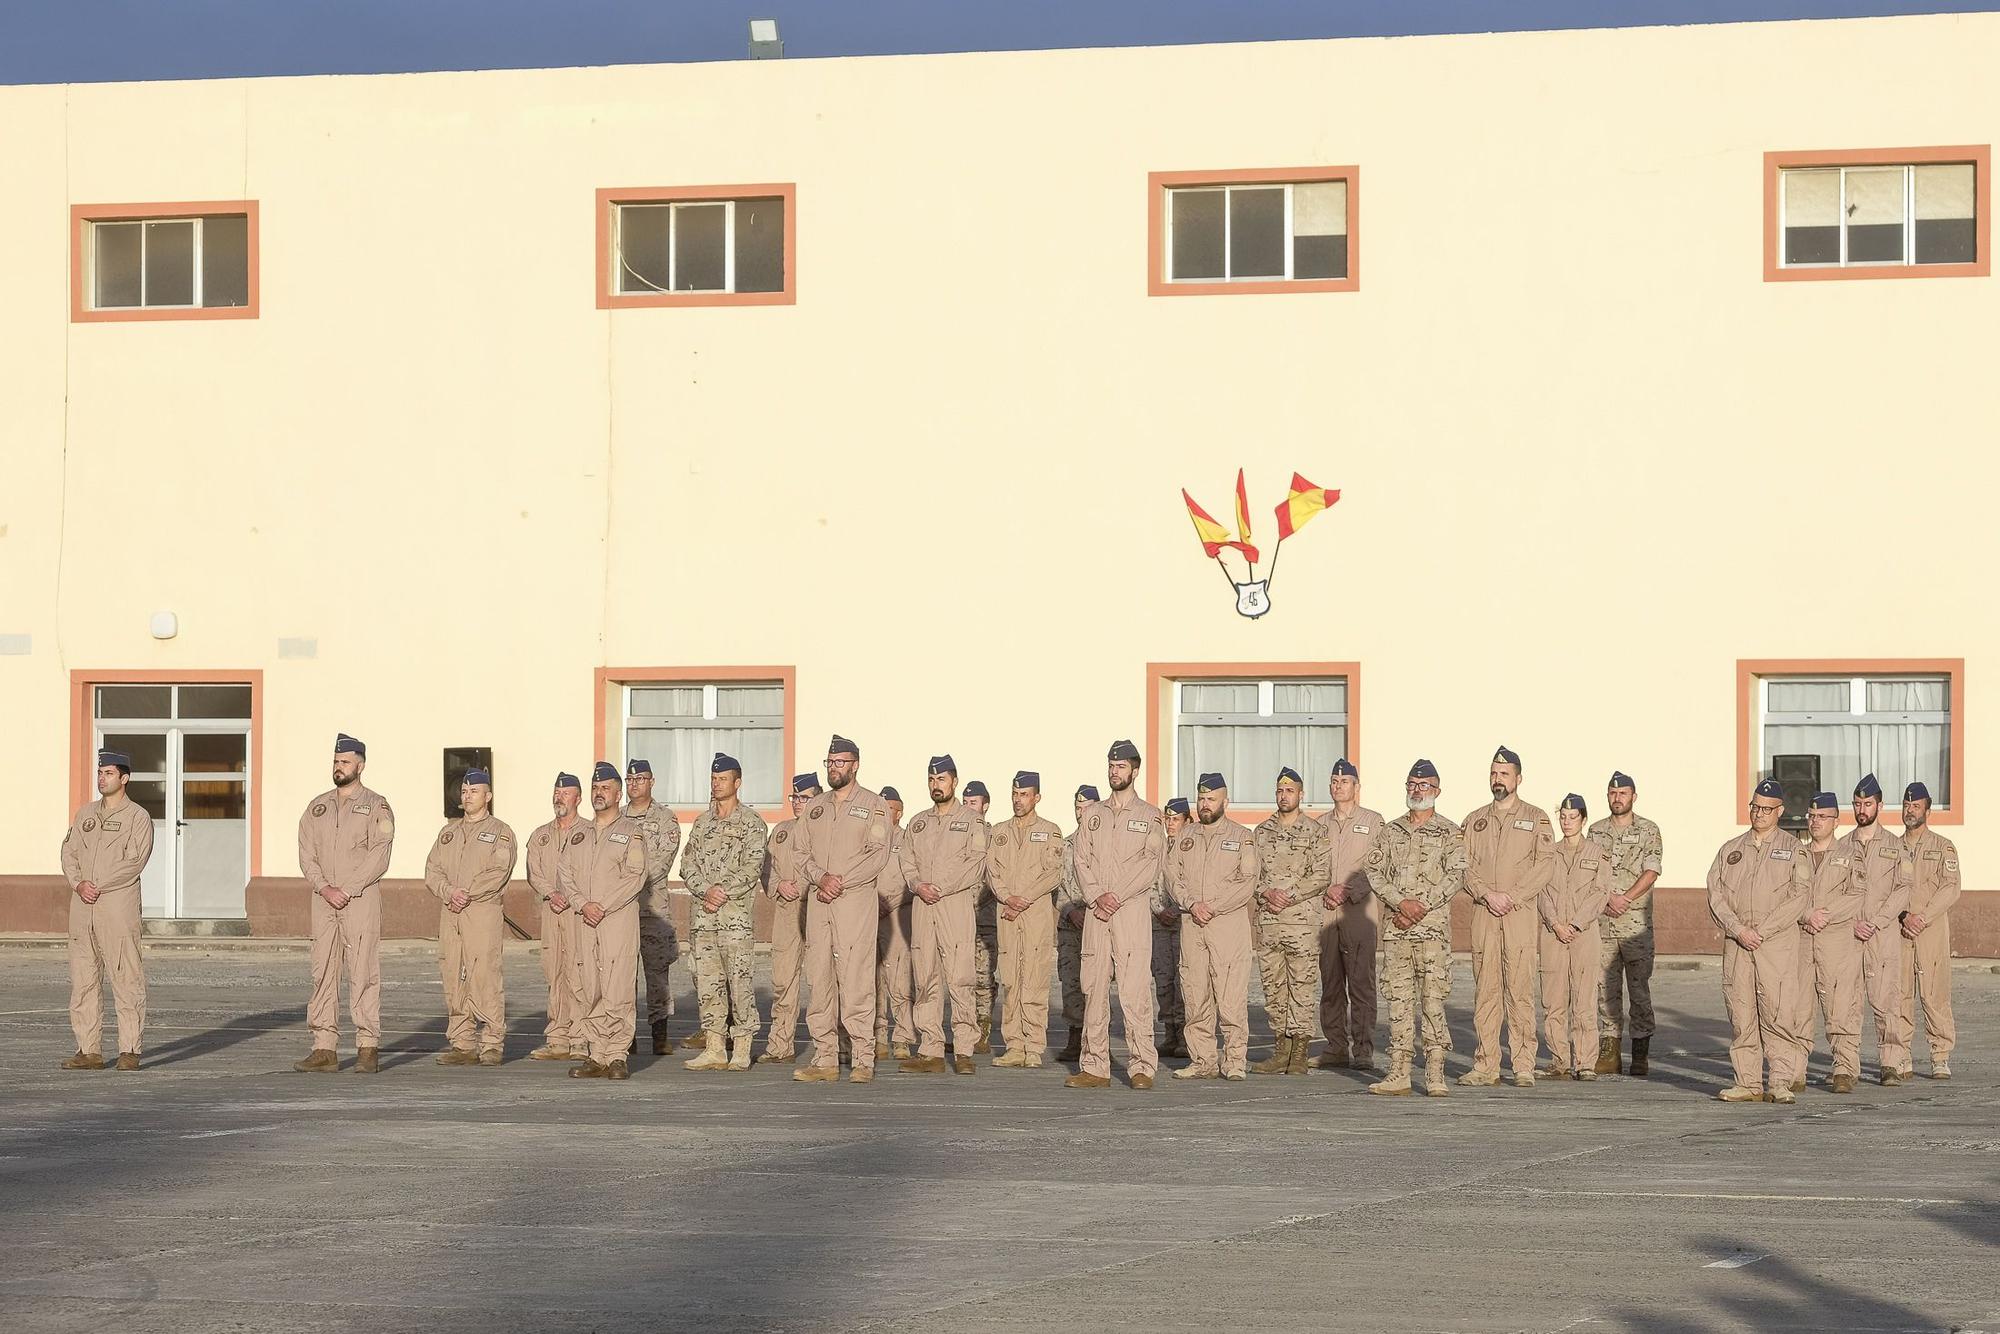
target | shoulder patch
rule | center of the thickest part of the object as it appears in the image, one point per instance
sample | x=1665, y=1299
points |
x=1000, y=837
x=1734, y=858
x=576, y=838
x=1480, y=827
x=541, y=839
x=782, y=835
x=89, y=823
x=817, y=811
x=445, y=837
x=1094, y=822
x=1187, y=844
x=319, y=809
x=918, y=825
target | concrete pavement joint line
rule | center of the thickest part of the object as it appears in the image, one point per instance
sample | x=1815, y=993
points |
x=1701, y=1195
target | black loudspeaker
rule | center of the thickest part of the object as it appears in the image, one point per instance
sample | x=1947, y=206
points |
x=458, y=759
x=1799, y=776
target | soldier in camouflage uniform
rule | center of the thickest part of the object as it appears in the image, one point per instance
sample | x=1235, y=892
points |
x=1415, y=866
x=1295, y=866
x=658, y=944
x=985, y=936
x=1167, y=940
x=1626, y=929
x=722, y=868
x=1070, y=910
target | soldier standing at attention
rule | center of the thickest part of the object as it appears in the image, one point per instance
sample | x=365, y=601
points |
x=785, y=884
x=894, y=981
x=1757, y=885
x=468, y=869
x=1024, y=865
x=943, y=858
x=1294, y=870
x=345, y=839
x=564, y=1038
x=986, y=939
x=1508, y=850
x=659, y=945
x=1414, y=867
x=845, y=837
x=1212, y=877
x=103, y=854
x=1070, y=910
x=1118, y=858
x=1883, y=875
x=1578, y=886
x=603, y=872
x=1626, y=933
x=1349, y=927
x=1829, y=951
x=721, y=868
x=1167, y=940
x=1926, y=971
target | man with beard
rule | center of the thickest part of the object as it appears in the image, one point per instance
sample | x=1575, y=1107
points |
x=1118, y=855
x=659, y=945
x=603, y=869
x=1829, y=949
x=1349, y=927
x=565, y=1037
x=1757, y=885
x=985, y=938
x=1212, y=874
x=1880, y=866
x=1167, y=940
x=1070, y=910
x=894, y=983
x=1509, y=851
x=468, y=869
x=1024, y=864
x=725, y=859
x=943, y=859
x=845, y=838
x=103, y=855
x=1414, y=867
x=345, y=838
x=1294, y=871
x=1626, y=941
x=785, y=883
x=1926, y=932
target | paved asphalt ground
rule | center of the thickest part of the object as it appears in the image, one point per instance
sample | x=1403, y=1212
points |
x=217, y=1190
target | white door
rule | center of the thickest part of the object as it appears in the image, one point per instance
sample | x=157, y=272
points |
x=190, y=749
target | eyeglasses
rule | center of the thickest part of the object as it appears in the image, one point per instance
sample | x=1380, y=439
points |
x=1421, y=787
x=1755, y=809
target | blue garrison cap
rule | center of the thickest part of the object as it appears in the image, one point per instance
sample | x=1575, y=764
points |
x=1506, y=756
x=1344, y=767
x=1088, y=792
x=1916, y=792
x=1028, y=778
x=569, y=780
x=1289, y=772
x=942, y=764
x=977, y=789
x=1575, y=803
x=117, y=759
x=890, y=793
x=344, y=744
x=477, y=778
x=1770, y=788
x=840, y=745
x=1176, y=806
x=1824, y=801
x=804, y=782
x=1621, y=779
x=1210, y=783
x=723, y=764
x=1122, y=750
x=634, y=768
x=1868, y=787
x=1423, y=769
x=605, y=772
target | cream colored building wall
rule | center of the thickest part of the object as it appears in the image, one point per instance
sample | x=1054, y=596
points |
x=1590, y=459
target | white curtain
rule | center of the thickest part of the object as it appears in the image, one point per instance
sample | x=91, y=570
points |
x=1249, y=757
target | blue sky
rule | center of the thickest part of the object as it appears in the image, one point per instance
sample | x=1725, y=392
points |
x=80, y=41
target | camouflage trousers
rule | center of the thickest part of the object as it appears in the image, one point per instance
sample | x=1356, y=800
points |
x=1069, y=971
x=985, y=964
x=1626, y=962
x=1416, y=974
x=659, y=946
x=1167, y=974
x=1288, y=964
x=725, y=991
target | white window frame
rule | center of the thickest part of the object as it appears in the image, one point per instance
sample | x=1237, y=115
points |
x=1909, y=170
x=90, y=278
x=674, y=206
x=1266, y=716
x=1857, y=713
x=708, y=719
x=1224, y=188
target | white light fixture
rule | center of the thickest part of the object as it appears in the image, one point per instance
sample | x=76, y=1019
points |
x=764, y=42
x=165, y=625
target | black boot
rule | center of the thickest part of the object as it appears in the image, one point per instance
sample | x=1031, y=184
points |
x=1639, y=1049
x=1073, y=1049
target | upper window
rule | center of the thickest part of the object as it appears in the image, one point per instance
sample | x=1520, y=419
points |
x=1894, y=213
x=718, y=245
x=1268, y=230
x=164, y=261
x=1247, y=728
x=680, y=725
x=1821, y=730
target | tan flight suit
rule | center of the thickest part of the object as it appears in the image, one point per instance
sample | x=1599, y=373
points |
x=109, y=849
x=1025, y=860
x=478, y=859
x=1508, y=850
x=1426, y=863
x=1120, y=850
x=1627, y=940
x=1830, y=960
x=1293, y=859
x=1760, y=886
x=1069, y=939
x=1215, y=864
x=659, y=945
x=1926, y=970
x=1883, y=875
x=345, y=838
x=845, y=834
x=893, y=981
x=565, y=1030
x=946, y=849
x=788, y=938
x=606, y=866
x=1347, y=938
x=1579, y=883
x=725, y=851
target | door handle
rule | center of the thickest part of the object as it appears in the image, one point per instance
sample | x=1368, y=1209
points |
x=180, y=824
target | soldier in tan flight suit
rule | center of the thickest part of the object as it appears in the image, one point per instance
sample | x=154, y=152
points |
x=845, y=838
x=1294, y=870
x=1757, y=885
x=1579, y=884
x=1349, y=927
x=659, y=945
x=1829, y=953
x=784, y=884
x=1883, y=877
x=894, y=984
x=1175, y=813
x=986, y=933
x=943, y=858
x=1070, y=911
x=564, y=1038
x=603, y=871
x=1508, y=846
x=1415, y=866
x=468, y=869
x=1211, y=874
x=1024, y=864
x=1119, y=853
x=1926, y=932
x=345, y=839
x=107, y=847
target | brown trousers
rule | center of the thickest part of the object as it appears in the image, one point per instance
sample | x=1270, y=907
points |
x=351, y=937
x=1027, y=960
x=1347, y=978
x=606, y=973
x=893, y=976
x=565, y=1030
x=1926, y=976
x=1120, y=949
x=104, y=937
x=470, y=957
x=840, y=970
x=1757, y=988
x=788, y=957
x=1571, y=975
x=1830, y=983
x=1215, y=987
x=1503, y=982
x=941, y=949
